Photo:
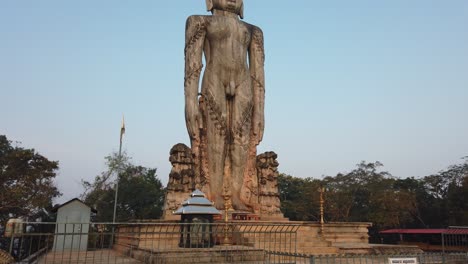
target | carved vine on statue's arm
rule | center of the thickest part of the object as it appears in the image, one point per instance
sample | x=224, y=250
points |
x=195, y=33
x=256, y=62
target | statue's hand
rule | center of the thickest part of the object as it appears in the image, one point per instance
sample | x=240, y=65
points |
x=193, y=127
x=258, y=128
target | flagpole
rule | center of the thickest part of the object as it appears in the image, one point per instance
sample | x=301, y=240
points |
x=122, y=131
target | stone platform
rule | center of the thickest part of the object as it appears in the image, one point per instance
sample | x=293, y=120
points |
x=306, y=238
x=217, y=254
x=104, y=256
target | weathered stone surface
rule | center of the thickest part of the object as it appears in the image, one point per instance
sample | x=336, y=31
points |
x=181, y=179
x=267, y=171
x=225, y=116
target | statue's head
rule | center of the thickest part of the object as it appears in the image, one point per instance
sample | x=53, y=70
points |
x=233, y=6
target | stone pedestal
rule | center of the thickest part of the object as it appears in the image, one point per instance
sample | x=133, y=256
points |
x=183, y=181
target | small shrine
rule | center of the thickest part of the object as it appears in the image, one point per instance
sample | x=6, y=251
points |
x=196, y=216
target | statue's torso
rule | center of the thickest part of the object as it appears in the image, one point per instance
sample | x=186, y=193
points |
x=226, y=46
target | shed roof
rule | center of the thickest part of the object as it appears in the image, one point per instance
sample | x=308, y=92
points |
x=457, y=231
x=462, y=231
x=72, y=200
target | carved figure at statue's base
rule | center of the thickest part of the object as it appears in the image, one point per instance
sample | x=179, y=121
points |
x=269, y=201
x=181, y=180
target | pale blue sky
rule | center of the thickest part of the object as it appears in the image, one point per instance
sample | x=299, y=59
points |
x=346, y=81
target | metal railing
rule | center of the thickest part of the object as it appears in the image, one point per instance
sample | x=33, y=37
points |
x=234, y=242
x=425, y=258
x=455, y=239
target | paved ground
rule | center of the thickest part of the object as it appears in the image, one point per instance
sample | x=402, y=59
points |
x=82, y=257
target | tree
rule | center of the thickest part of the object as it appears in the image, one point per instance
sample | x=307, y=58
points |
x=140, y=195
x=352, y=196
x=26, y=181
x=299, y=198
x=448, y=191
x=422, y=202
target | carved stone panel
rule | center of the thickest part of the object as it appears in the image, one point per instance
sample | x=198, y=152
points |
x=181, y=179
x=267, y=171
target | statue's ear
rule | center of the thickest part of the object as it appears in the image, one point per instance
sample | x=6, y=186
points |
x=209, y=5
x=241, y=12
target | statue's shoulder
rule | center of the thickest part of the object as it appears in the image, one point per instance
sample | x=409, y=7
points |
x=197, y=19
x=254, y=29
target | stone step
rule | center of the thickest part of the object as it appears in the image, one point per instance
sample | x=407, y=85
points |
x=318, y=250
x=322, y=244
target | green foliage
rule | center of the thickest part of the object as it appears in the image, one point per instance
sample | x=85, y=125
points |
x=26, y=181
x=448, y=192
x=140, y=194
x=299, y=197
x=369, y=194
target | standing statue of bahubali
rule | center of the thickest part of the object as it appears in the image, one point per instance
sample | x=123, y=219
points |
x=225, y=117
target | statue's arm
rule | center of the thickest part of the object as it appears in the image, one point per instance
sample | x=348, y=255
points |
x=195, y=31
x=257, y=72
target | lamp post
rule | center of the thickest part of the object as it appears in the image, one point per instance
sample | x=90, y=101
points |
x=122, y=132
x=227, y=208
x=322, y=222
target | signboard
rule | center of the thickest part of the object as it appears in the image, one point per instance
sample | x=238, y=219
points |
x=402, y=261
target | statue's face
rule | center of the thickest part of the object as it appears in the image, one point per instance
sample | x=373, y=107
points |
x=233, y=6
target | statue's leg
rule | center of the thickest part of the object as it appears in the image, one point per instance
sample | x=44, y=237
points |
x=239, y=150
x=215, y=138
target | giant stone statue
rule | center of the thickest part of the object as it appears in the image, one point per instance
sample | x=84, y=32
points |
x=225, y=116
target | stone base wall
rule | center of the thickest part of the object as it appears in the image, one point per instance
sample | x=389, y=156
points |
x=346, y=233
x=310, y=240
x=337, y=238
